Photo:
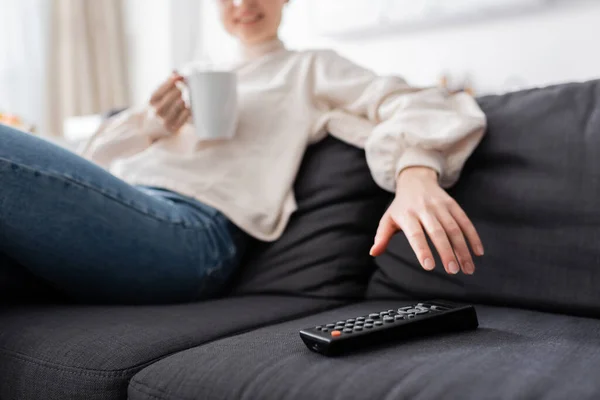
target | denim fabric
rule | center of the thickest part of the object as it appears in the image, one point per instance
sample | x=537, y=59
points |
x=99, y=239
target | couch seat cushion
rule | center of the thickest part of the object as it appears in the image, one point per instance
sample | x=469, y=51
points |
x=78, y=352
x=515, y=354
x=18, y=285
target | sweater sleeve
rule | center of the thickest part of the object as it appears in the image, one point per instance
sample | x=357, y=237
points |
x=399, y=126
x=125, y=134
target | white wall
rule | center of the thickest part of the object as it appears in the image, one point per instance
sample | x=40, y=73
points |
x=148, y=28
x=23, y=50
x=162, y=35
x=508, y=53
x=186, y=30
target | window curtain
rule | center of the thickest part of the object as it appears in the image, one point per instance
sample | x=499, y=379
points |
x=87, y=65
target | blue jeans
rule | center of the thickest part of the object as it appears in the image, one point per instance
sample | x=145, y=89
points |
x=96, y=238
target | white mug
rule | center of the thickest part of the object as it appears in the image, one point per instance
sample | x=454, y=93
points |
x=214, y=102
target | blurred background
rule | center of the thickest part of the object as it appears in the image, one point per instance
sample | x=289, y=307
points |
x=65, y=62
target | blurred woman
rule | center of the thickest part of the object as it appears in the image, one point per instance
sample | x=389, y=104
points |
x=160, y=216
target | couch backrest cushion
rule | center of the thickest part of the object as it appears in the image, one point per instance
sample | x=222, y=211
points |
x=324, y=251
x=532, y=189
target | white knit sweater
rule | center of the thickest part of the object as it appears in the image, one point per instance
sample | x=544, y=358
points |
x=288, y=100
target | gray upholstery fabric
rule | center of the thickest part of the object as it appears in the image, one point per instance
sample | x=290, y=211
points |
x=324, y=251
x=17, y=285
x=514, y=354
x=82, y=352
x=532, y=189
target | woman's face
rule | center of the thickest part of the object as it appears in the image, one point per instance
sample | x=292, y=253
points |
x=252, y=21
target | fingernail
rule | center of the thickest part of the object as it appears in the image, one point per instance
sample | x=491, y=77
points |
x=372, y=251
x=480, y=250
x=429, y=264
x=469, y=268
x=453, y=267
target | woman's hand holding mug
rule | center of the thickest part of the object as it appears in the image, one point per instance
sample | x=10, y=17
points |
x=169, y=104
x=213, y=98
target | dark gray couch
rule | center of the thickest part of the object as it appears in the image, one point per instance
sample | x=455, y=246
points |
x=532, y=189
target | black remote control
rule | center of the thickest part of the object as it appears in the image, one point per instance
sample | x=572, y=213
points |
x=417, y=320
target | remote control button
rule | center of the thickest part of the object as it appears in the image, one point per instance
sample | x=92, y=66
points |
x=347, y=330
x=319, y=327
x=383, y=313
x=391, y=311
x=330, y=326
x=421, y=305
x=336, y=333
x=359, y=323
x=399, y=317
x=388, y=319
x=368, y=326
x=338, y=327
x=340, y=322
x=352, y=320
x=378, y=323
x=403, y=312
x=370, y=321
x=412, y=310
x=360, y=318
x=404, y=308
x=411, y=316
x=358, y=328
x=373, y=315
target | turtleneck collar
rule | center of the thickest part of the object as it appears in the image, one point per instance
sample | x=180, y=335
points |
x=256, y=51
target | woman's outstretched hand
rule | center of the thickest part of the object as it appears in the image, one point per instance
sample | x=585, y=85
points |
x=420, y=206
x=169, y=105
